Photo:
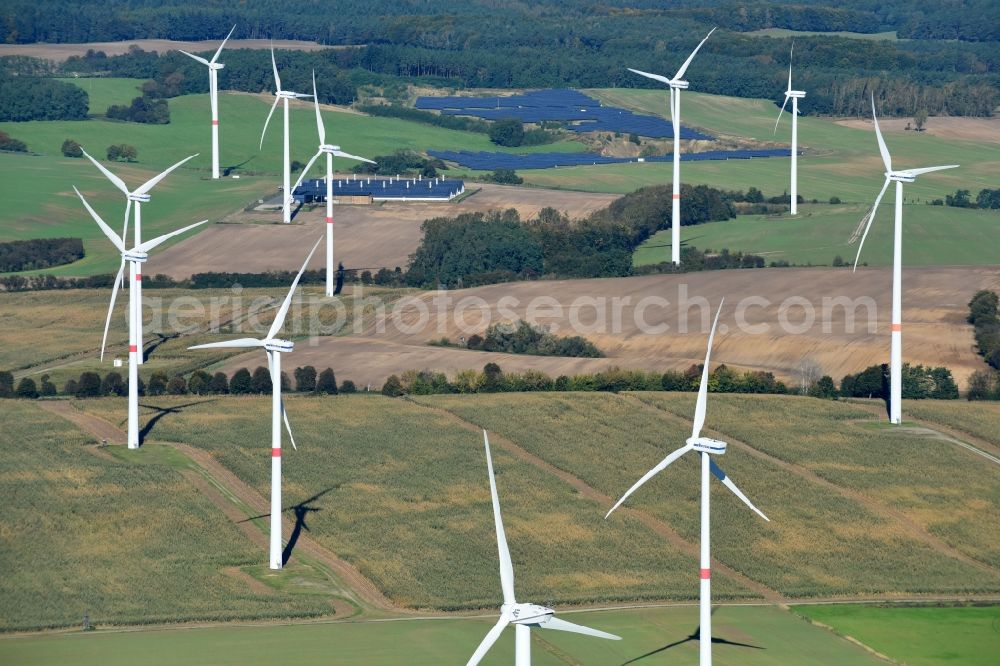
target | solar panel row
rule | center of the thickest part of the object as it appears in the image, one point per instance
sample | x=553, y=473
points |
x=558, y=105
x=486, y=161
x=314, y=189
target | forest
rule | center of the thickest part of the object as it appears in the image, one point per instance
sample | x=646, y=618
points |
x=948, y=65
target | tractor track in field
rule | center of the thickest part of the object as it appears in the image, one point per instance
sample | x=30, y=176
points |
x=659, y=527
x=214, y=481
x=914, y=529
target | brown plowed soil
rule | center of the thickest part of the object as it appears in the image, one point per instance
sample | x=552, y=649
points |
x=60, y=52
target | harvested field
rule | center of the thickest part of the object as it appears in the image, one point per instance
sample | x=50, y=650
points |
x=60, y=52
x=763, y=326
x=364, y=236
x=963, y=129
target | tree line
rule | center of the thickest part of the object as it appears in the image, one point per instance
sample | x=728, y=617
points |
x=30, y=98
x=525, y=338
x=27, y=255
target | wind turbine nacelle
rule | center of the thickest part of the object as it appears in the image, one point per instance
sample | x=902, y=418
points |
x=139, y=198
x=285, y=94
x=216, y=65
x=707, y=445
x=680, y=85
x=901, y=176
x=795, y=93
x=327, y=148
x=528, y=614
x=276, y=345
x=136, y=256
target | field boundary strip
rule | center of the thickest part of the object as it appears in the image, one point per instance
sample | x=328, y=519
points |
x=915, y=530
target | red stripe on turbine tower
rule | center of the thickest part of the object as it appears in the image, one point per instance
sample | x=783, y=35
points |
x=138, y=277
x=706, y=574
x=275, y=453
x=215, y=122
x=677, y=196
x=133, y=348
x=897, y=328
x=329, y=220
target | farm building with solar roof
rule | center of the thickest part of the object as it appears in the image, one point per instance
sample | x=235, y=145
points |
x=365, y=189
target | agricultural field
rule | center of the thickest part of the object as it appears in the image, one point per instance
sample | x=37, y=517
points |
x=122, y=538
x=784, y=32
x=979, y=419
x=403, y=496
x=774, y=637
x=932, y=236
x=609, y=441
x=103, y=92
x=921, y=636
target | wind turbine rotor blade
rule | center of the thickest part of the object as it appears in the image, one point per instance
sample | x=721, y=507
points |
x=269, y=114
x=111, y=306
x=866, y=222
x=339, y=153
x=886, y=159
x=151, y=183
x=790, y=54
x=288, y=427
x=306, y=170
x=655, y=77
x=917, y=172
x=650, y=474
x=673, y=115
x=491, y=637
x=274, y=65
x=279, y=319
x=563, y=625
x=506, y=566
x=115, y=240
x=728, y=483
x=219, y=50
x=702, y=405
x=128, y=211
x=149, y=245
x=779, y=115
x=302, y=96
x=238, y=343
x=320, y=129
x=680, y=72
x=194, y=57
x=115, y=180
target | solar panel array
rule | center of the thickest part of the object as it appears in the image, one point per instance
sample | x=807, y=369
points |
x=314, y=189
x=489, y=161
x=558, y=105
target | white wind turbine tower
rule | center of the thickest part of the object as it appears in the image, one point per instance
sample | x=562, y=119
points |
x=677, y=84
x=284, y=96
x=331, y=152
x=135, y=258
x=274, y=347
x=896, y=349
x=794, y=95
x=140, y=196
x=213, y=93
x=522, y=616
x=707, y=447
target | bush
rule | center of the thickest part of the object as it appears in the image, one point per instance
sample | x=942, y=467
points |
x=177, y=386
x=220, y=383
x=122, y=152
x=392, y=387
x=12, y=145
x=89, y=385
x=48, y=388
x=241, y=383
x=6, y=383
x=506, y=177
x=305, y=379
x=983, y=385
x=200, y=383
x=507, y=132
x=261, y=380
x=71, y=148
x=824, y=388
x=141, y=110
x=327, y=382
x=524, y=338
x=157, y=383
x=348, y=387
x=70, y=387
x=26, y=389
x=113, y=384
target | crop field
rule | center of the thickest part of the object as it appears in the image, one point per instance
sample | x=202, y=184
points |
x=775, y=636
x=122, y=542
x=405, y=498
x=103, y=92
x=979, y=419
x=945, y=490
x=808, y=549
x=932, y=236
x=922, y=636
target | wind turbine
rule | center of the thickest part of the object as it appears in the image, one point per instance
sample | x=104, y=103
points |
x=896, y=349
x=282, y=95
x=522, y=616
x=135, y=258
x=140, y=196
x=677, y=84
x=213, y=93
x=794, y=95
x=707, y=447
x=274, y=347
x=331, y=152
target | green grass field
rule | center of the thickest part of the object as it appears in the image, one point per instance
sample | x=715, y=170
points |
x=776, y=637
x=921, y=636
x=126, y=540
x=103, y=92
x=932, y=236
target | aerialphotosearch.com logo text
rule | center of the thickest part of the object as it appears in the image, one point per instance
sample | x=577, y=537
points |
x=446, y=313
